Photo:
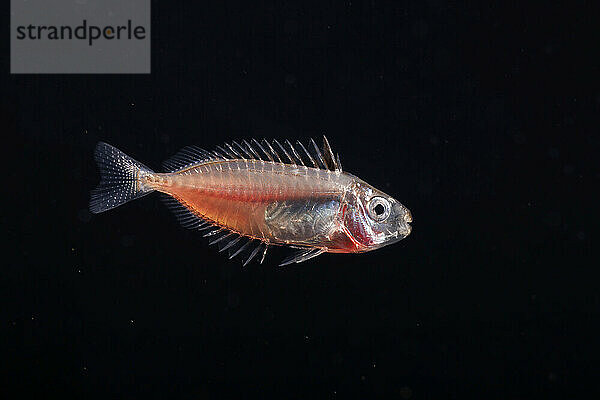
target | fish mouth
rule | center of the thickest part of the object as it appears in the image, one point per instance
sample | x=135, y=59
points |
x=407, y=220
x=401, y=225
x=403, y=230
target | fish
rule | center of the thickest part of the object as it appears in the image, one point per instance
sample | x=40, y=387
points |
x=249, y=196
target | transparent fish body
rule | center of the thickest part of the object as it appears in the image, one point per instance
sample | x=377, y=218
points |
x=238, y=194
x=273, y=202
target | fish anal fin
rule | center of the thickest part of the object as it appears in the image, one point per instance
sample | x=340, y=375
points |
x=229, y=243
x=225, y=239
x=240, y=249
x=253, y=253
x=184, y=215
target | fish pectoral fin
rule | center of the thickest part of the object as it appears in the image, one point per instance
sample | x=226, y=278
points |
x=302, y=255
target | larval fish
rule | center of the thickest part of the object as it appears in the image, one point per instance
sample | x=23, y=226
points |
x=252, y=195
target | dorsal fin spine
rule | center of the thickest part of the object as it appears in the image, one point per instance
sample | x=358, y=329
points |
x=328, y=155
x=226, y=152
x=251, y=149
x=249, y=156
x=293, y=150
x=312, y=160
x=320, y=159
x=284, y=151
x=269, y=156
x=272, y=150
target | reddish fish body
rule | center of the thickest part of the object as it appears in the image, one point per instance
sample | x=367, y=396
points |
x=315, y=208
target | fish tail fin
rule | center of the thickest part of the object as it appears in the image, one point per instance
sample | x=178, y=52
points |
x=121, y=179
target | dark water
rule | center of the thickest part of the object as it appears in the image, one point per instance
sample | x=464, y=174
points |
x=483, y=121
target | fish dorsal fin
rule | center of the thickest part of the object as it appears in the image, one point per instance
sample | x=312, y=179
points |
x=284, y=153
x=329, y=157
x=302, y=255
x=299, y=155
x=191, y=155
x=315, y=157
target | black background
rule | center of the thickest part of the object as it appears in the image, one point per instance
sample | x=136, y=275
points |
x=483, y=120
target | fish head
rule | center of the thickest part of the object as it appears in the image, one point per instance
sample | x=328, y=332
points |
x=373, y=218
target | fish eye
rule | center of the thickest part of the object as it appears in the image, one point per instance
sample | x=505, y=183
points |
x=379, y=208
